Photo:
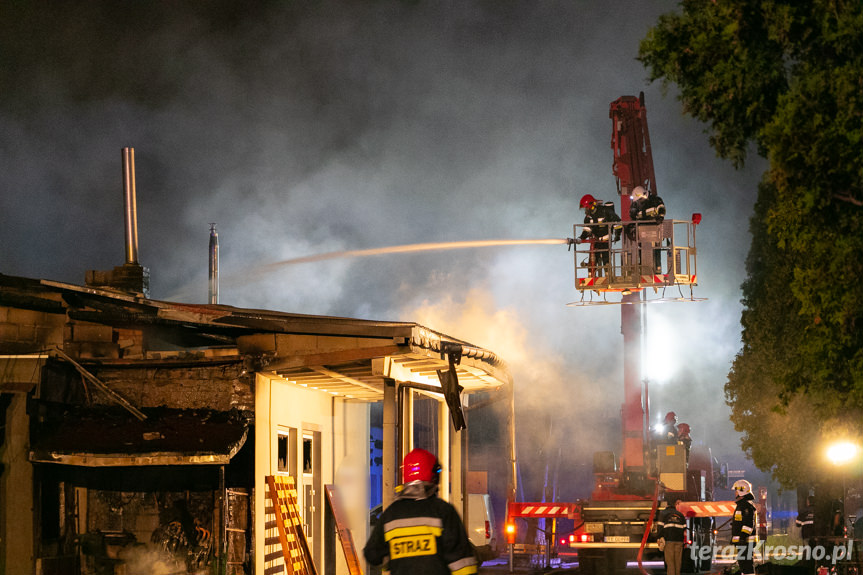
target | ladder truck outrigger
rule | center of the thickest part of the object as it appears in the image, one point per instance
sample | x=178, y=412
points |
x=616, y=524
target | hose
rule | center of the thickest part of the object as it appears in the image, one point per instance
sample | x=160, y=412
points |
x=647, y=527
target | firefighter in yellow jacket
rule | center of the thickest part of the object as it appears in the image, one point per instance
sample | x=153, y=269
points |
x=421, y=534
x=743, y=526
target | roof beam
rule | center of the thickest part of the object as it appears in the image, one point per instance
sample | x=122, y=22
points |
x=343, y=378
x=333, y=357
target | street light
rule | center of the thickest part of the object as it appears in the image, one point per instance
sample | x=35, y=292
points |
x=842, y=452
x=839, y=454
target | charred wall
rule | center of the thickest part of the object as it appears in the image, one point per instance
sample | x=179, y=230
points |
x=28, y=331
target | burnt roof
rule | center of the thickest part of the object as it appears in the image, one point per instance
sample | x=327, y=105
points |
x=110, y=436
x=417, y=352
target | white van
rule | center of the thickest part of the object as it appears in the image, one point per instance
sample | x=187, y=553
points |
x=480, y=525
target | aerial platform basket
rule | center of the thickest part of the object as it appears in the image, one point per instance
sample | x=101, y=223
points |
x=647, y=255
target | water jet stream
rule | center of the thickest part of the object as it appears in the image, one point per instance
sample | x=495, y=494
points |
x=408, y=248
x=256, y=272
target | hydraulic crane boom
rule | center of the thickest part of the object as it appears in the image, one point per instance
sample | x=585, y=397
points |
x=630, y=141
x=614, y=525
x=626, y=270
x=632, y=166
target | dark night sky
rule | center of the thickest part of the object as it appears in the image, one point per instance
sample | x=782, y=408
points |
x=307, y=127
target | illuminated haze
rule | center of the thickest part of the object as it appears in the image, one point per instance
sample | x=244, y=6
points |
x=303, y=128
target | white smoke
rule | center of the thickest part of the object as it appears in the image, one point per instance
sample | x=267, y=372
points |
x=314, y=127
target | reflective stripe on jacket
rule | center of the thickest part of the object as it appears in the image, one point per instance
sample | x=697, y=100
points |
x=743, y=521
x=673, y=525
x=421, y=537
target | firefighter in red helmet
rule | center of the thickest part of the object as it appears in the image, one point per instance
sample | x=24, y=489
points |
x=597, y=212
x=421, y=534
x=670, y=432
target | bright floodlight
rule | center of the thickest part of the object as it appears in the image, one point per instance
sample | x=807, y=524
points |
x=662, y=350
x=842, y=452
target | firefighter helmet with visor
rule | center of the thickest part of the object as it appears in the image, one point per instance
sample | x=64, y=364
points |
x=742, y=487
x=420, y=465
x=638, y=193
x=587, y=202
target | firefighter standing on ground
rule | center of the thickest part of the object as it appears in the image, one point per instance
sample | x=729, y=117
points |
x=806, y=522
x=673, y=529
x=421, y=534
x=743, y=525
x=597, y=212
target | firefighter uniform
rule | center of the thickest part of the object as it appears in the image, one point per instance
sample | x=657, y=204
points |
x=806, y=522
x=742, y=527
x=421, y=537
x=647, y=208
x=601, y=213
x=651, y=208
x=672, y=526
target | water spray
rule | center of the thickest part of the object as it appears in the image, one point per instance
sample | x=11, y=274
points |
x=410, y=248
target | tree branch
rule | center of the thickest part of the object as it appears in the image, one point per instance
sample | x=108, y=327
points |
x=848, y=198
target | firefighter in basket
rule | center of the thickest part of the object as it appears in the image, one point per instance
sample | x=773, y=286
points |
x=597, y=212
x=419, y=533
x=649, y=210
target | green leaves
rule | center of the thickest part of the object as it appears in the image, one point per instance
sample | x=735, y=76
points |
x=787, y=76
x=728, y=69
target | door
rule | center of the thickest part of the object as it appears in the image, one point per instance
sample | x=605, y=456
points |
x=312, y=491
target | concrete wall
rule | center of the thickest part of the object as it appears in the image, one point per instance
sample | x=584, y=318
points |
x=344, y=447
x=16, y=493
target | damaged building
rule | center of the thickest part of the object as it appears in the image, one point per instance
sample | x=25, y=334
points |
x=147, y=437
x=137, y=435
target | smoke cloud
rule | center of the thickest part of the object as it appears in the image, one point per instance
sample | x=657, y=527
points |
x=305, y=128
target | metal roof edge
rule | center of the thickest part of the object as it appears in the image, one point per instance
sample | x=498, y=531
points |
x=427, y=339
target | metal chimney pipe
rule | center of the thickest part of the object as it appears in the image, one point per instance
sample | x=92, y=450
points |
x=214, y=264
x=130, y=204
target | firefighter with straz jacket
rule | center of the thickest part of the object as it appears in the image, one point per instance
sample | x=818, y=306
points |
x=743, y=525
x=672, y=524
x=419, y=533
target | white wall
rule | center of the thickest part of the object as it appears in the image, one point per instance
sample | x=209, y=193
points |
x=344, y=434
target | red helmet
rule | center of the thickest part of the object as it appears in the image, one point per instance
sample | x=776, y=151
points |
x=670, y=417
x=587, y=201
x=420, y=465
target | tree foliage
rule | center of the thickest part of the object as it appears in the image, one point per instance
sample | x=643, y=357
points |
x=787, y=77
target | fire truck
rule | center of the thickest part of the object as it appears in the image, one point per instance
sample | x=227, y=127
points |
x=616, y=523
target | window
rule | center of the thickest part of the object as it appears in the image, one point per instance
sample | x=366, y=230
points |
x=286, y=451
x=283, y=453
x=308, y=461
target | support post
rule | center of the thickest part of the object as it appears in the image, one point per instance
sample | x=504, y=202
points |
x=390, y=466
x=222, y=542
x=512, y=484
x=443, y=425
x=406, y=421
x=633, y=394
x=457, y=470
